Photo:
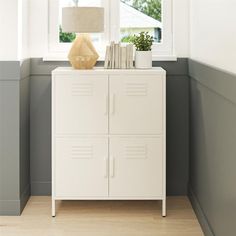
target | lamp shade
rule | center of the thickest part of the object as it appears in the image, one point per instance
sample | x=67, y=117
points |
x=83, y=19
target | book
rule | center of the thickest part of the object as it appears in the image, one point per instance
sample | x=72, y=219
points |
x=112, y=55
x=123, y=58
x=118, y=56
x=107, y=57
x=129, y=56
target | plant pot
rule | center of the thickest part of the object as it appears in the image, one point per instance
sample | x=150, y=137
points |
x=143, y=59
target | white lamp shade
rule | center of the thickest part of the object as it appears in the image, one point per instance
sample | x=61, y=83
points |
x=83, y=19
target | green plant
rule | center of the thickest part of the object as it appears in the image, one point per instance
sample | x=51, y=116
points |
x=152, y=8
x=66, y=37
x=143, y=41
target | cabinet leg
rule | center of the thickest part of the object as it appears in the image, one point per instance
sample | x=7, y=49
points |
x=164, y=208
x=53, y=207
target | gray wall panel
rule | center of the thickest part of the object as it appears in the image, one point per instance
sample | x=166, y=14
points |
x=40, y=67
x=14, y=136
x=221, y=82
x=10, y=207
x=177, y=134
x=42, y=188
x=212, y=145
x=10, y=70
x=9, y=146
x=24, y=140
x=179, y=67
x=40, y=133
x=24, y=132
x=25, y=68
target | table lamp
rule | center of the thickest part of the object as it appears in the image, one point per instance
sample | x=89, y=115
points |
x=83, y=20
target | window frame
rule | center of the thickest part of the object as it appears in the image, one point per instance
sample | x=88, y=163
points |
x=160, y=51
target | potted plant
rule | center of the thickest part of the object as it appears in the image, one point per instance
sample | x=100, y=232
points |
x=143, y=55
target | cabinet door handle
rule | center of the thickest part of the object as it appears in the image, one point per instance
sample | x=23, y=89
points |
x=112, y=166
x=113, y=97
x=106, y=167
x=106, y=104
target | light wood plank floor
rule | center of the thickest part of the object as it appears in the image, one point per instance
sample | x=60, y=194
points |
x=103, y=218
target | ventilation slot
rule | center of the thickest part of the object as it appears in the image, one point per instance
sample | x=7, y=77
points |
x=82, y=152
x=82, y=89
x=136, y=89
x=136, y=152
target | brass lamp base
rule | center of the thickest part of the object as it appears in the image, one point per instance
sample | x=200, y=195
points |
x=82, y=54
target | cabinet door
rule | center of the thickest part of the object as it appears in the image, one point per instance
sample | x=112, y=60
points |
x=81, y=167
x=81, y=105
x=136, y=167
x=136, y=104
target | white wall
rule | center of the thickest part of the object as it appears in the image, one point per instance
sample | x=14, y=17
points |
x=181, y=27
x=14, y=30
x=9, y=30
x=213, y=33
x=24, y=51
x=39, y=27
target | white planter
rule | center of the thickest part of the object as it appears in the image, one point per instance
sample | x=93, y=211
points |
x=143, y=59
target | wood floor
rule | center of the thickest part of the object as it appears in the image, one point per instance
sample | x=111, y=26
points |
x=103, y=218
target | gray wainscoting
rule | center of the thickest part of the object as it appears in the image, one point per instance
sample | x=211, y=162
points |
x=14, y=136
x=212, y=148
x=177, y=125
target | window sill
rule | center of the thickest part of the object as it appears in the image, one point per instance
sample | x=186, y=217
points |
x=63, y=57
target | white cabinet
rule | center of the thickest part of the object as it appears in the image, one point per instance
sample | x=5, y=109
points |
x=108, y=135
x=81, y=105
x=136, y=104
x=136, y=165
x=81, y=167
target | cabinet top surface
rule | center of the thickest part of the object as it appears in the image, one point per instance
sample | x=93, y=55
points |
x=101, y=70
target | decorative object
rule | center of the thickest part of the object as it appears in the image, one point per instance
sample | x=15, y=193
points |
x=143, y=55
x=83, y=20
x=143, y=59
x=119, y=57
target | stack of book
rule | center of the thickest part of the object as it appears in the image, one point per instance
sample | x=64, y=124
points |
x=119, y=57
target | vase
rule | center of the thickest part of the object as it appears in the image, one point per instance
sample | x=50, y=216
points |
x=143, y=59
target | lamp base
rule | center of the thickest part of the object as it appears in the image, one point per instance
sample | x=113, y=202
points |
x=82, y=54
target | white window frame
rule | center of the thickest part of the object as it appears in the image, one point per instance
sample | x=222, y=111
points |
x=160, y=51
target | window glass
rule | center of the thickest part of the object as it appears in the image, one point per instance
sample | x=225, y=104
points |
x=140, y=15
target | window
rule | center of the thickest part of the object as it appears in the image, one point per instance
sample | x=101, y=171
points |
x=136, y=16
x=123, y=19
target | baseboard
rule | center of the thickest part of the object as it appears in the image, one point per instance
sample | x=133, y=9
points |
x=10, y=208
x=15, y=207
x=206, y=228
x=24, y=198
x=41, y=188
